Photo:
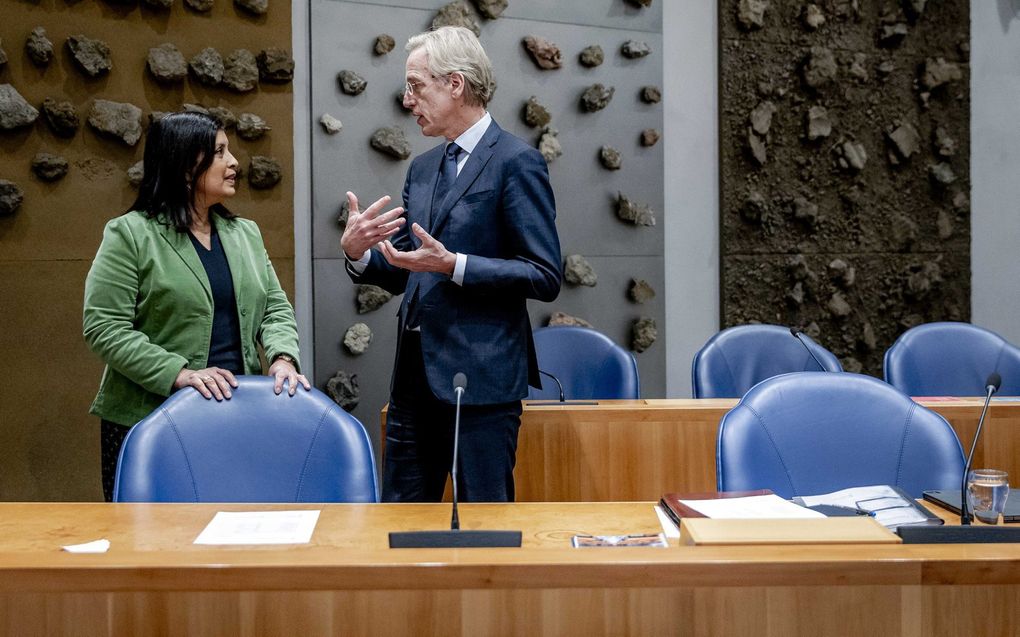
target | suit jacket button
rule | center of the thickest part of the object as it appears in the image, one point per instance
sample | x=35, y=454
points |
x=244, y=312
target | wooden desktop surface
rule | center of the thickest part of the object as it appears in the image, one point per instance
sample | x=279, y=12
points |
x=346, y=581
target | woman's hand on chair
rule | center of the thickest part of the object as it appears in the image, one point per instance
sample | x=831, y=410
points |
x=211, y=382
x=282, y=370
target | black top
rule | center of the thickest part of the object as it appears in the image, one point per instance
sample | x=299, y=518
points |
x=225, y=344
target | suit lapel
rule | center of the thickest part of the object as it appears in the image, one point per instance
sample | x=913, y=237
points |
x=432, y=166
x=475, y=164
x=180, y=242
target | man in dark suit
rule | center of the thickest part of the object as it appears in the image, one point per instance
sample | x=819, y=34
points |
x=477, y=240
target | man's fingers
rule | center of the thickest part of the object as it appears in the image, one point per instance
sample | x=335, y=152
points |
x=374, y=209
x=352, y=203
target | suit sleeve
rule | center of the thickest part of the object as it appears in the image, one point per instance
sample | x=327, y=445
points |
x=111, y=288
x=529, y=231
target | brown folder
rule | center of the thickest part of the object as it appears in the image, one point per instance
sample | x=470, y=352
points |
x=676, y=510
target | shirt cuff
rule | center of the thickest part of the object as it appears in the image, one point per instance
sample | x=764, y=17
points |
x=458, y=269
x=362, y=263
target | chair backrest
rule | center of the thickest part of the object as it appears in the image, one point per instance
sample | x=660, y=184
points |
x=809, y=433
x=587, y=363
x=738, y=358
x=255, y=447
x=949, y=358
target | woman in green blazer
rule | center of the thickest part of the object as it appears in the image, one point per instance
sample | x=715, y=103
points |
x=181, y=292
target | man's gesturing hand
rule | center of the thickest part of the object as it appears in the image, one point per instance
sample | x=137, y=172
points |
x=432, y=256
x=365, y=229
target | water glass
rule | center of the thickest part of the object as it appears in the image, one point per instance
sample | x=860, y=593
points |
x=987, y=490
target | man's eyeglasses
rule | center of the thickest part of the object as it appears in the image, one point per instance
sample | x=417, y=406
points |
x=414, y=87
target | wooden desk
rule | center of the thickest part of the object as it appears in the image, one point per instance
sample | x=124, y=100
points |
x=637, y=450
x=346, y=582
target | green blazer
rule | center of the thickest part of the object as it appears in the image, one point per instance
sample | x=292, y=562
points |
x=149, y=310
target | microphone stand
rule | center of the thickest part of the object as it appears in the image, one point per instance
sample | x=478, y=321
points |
x=559, y=385
x=563, y=396
x=797, y=335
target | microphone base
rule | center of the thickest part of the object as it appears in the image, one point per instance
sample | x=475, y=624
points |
x=958, y=534
x=455, y=539
x=546, y=403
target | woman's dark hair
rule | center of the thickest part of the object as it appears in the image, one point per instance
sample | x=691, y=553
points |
x=179, y=148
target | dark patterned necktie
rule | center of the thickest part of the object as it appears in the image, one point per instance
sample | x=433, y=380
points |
x=447, y=174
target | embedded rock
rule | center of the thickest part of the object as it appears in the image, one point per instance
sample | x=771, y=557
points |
x=544, y=53
x=596, y=97
x=3, y=55
x=890, y=35
x=207, y=67
x=755, y=208
x=549, y=144
x=818, y=123
x=167, y=64
x=886, y=68
x=577, y=271
x=651, y=94
x=610, y=158
x=241, y=71
x=945, y=145
x=194, y=108
x=842, y=273
x=15, y=112
x=254, y=7
x=331, y=124
x=350, y=82
x=118, y=119
x=813, y=17
x=251, y=127
x=343, y=389
x=564, y=319
x=795, y=295
x=631, y=212
x=642, y=334
x=852, y=156
x=370, y=298
x=275, y=65
x=136, y=173
x=10, y=198
x=944, y=224
x=838, y=306
x=859, y=67
x=650, y=137
x=264, y=172
x=456, y=14
x=632, y=49
x=592, y=56
x=357, y=338
x=804, y=210
x=640, y=291
x=852, y=365
x=38, y=47
x=91, y=56
x=62, y=117
x=868, y=339
x=904, y=231
x=641, y=3
x=491, y=9
x=49, y=167
x=819, y=67
x=761, y=117
x=343, y=214
x=199, y=5
x=391, y=141
x=751, y=14
x=225, y=116
x=384, y=43
x=535, y=115
x=938, y=72
x=757, y=147
x=942, y=173
x=904, y=141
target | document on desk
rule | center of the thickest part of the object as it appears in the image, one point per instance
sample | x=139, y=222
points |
x=752, y=507
x=892, y=507
x=259, y=527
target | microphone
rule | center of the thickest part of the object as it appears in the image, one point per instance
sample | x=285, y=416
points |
x=991, y=386
x=559, y=385
x=455, y=537
x=797, y=334
x=965, y=533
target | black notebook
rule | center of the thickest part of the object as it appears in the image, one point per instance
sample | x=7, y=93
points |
x=951, y=500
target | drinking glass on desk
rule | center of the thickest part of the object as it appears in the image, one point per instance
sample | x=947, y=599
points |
x=987, y=490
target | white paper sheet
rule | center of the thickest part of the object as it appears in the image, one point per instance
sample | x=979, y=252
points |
x=96, y=546
x=260, y=527
x=669, y=529
x=751, y=507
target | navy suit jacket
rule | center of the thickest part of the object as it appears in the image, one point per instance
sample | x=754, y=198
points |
x=502, y=214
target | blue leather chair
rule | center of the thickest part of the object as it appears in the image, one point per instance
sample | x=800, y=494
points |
x=737, y=358
x=587, y=363
x=809, y=433
x=954, y=359
x=255, y=447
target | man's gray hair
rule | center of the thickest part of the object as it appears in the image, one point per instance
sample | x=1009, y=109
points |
x=457, y=50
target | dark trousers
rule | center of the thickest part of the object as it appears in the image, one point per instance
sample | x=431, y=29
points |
x=419, y=440
x=111, y=437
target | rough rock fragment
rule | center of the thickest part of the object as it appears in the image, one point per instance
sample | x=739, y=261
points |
x=535, y=115
x=49, y=167
x=650, y=137
x=819, y=67
x=38, y=47
x=938, y=72
x=491, y=9
x=3, y=55
x=757, y=147
x=852, y=365
x=331, y=124
x=945, y=145
x=241, y=71
x=904, y=231
x=275, y=65
x=891, y=35
x=251, y=127
x=344, y=390
x=633, y=49
x=761, y=117
x=886, y=68
x=944, y=224
x=207, y=66
x=562, y=318
x=117, y=119
x=904, y=141
x=610, y=158
x=813, y=16
x=859, y=67
x=357, y=338
x=167, y=64
x=136, y=173
x=643, y=334
x=199, y=5
x=868, y=339
x=11, y=197
x=754, y=208
x=254, y=7
x=264, y=172
x=384, y=43
x=596, y=97
x=838, y=306
x=456, y=14
x=15, y=112
x=549, y=144
x=844, y=274
x=640, y=291
x=577, y=271
x=62, y=117
x=225, y=116
x=960, y=203
x=592, y=56
x=942, y=173
x=651, y=94
x=391, y=141
x=633, y=212
x=819, y=125
x=371, y=297
x=804, y=210
x=852, y=156
x=544, y=54
x=91, y=56
x=344, y=213
x=350, y=82
x=795, y=295
x=751, y=14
